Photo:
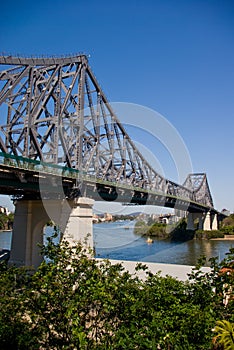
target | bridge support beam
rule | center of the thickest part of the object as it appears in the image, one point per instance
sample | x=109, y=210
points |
x=74, y=218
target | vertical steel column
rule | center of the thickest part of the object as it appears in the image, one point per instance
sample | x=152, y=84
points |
x=80, y=113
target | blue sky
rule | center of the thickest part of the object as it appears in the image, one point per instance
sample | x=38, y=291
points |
x=176, y=57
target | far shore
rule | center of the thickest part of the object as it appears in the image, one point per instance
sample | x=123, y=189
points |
x=222, y=239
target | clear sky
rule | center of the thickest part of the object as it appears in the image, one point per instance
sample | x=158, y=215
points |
x=176, y=57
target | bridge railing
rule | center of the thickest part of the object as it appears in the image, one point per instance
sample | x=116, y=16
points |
x=31, y=165
x=28, y=164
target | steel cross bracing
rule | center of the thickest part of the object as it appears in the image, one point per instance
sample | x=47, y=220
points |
x=53, y=110
x=199, y=184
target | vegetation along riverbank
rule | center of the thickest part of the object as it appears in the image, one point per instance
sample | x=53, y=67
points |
x=179, y=230
x=6, y=221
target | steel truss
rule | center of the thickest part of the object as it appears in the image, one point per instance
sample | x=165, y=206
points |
x=199, y=185
x=53, y=110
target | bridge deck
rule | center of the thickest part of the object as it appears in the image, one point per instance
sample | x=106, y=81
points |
x=33, y=178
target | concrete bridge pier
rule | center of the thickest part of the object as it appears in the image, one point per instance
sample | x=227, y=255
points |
x=207, y=221
x=79, y=226
x=190, y=222
x=211, y=222
x=74, y=218
x=214, y=222
x=201, y=220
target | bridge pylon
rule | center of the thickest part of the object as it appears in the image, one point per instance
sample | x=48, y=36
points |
x=208, y=221
x=73, y=217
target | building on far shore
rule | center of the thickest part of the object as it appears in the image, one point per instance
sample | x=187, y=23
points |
x=4, y=210
x=103, y=217
x=167, y=218
x=225, y=212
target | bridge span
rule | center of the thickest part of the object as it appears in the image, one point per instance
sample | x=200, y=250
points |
x=62, y=147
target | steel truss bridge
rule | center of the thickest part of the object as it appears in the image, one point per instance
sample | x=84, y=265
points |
x=57, y=128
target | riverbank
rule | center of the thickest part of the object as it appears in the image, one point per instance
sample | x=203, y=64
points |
x=177, y=271
x=225, y=238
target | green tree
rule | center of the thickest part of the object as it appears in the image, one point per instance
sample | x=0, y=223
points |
x=3, y=221
x=227, y=226
x=14, y=330
x=6, y=221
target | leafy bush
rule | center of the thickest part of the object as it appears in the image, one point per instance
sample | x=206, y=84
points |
x=228, y=230
x=6, y=221
x=227, y=226
x=155, y=230
x=202, y=234
x=76, y=302
x=225, y=334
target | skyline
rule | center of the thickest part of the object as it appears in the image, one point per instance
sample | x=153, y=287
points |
x=174, y=58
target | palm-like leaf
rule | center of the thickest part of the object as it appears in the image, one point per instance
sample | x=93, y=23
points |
x=225, y=334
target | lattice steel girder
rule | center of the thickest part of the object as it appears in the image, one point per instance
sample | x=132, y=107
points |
x=53, y=110
x=199, y=185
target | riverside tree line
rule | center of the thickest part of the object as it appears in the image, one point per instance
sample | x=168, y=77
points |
x=179, y=230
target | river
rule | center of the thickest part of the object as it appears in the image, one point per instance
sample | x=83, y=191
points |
x=116, y=240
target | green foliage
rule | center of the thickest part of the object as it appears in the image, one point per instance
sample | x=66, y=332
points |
x=3, y=221
x=141, y=228
x=74, y=301
x=228, y=230
x=158, y=230
x=228, y=225
x=123, y=217
x=14, y=331
x=202, y=234
x=225, y=334
x=176, y=232
x=155, y=230
x=6, y=221
x=229, y=221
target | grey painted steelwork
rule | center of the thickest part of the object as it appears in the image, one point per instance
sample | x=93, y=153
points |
x=53, y=110
x=199, y=184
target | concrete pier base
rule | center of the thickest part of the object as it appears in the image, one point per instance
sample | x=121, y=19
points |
x=74, y=218
x=214, y=222
x=200, y=222
x=207, y=222
x=190, y=222
x=80, y=222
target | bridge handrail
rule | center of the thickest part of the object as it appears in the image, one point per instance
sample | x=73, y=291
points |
x=36, y=165
x=58, y=170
